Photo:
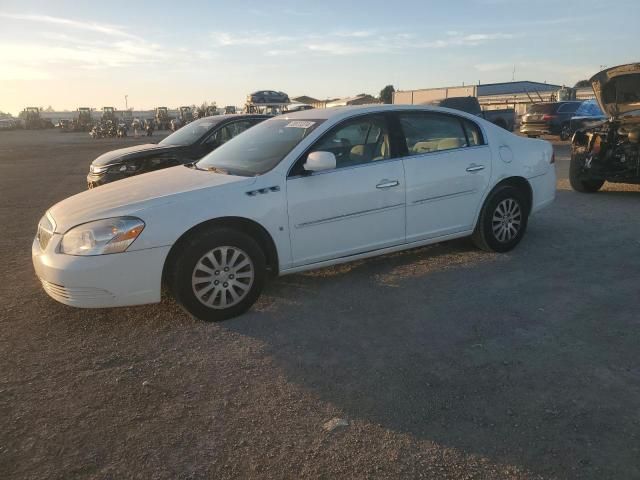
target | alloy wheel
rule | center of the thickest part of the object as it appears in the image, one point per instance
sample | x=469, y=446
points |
x=223, y=277
x=507, y=219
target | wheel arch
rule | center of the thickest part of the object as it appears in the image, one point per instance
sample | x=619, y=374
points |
x=516, y=181
x=248, y=226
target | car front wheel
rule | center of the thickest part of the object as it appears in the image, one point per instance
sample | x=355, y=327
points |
x=503, y=220
x=579, y=179
x=218, y=275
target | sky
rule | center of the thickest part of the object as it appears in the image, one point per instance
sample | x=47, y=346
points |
x=71, y=54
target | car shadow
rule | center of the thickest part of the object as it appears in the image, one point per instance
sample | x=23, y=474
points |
x=480, y=352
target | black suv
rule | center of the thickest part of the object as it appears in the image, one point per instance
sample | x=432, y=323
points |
x=549, y=119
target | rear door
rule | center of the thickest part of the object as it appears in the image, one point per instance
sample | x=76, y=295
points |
x=447, y=167
x=358, y=206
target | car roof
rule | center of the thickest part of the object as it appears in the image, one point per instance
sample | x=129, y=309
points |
x=339, y=113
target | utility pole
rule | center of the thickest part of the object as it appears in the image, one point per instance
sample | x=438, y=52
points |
x=126, y=102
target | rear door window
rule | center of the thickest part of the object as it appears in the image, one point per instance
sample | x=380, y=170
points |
x=432, y=132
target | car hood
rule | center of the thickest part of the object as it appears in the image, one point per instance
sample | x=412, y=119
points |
x=129, y=153
x=617, y=89
x=131, y=195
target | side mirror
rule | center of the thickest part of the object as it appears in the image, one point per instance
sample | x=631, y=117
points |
x=319, y=161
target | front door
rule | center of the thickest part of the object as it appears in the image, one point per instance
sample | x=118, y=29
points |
x=357, y=207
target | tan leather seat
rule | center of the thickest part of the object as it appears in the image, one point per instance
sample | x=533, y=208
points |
x=449, y=143
x=425, y=147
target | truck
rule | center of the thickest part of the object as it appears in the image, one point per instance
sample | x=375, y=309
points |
x=162, y=118
x=505, y=117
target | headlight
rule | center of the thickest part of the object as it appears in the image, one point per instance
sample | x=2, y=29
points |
x=111, y=235
x=98, y=169
x=124, y=168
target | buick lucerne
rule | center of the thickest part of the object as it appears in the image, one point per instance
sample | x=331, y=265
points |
x=295, y=192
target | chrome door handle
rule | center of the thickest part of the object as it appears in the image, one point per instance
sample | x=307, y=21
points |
x=475, y=168
x=388, y=184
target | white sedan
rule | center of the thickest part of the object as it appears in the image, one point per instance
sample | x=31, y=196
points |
x=294, y=193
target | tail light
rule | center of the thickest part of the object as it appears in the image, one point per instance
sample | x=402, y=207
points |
x=546, y=118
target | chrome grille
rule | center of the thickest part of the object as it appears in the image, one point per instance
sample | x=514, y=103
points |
x=45, y=232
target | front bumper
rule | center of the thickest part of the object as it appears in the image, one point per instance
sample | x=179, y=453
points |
x=117, y=280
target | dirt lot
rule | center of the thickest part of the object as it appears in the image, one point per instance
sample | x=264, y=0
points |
x=446, y=362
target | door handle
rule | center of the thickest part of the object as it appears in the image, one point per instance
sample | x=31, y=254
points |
x=475, y=168
x=388, y=184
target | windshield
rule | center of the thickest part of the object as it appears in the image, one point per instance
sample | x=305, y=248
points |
x=190, y=133
x=260, y=148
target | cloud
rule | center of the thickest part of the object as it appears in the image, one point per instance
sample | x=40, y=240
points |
x=343, y=43
x=227, y=39
x=104, y=29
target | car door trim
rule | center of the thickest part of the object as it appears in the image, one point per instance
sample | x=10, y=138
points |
x=442, y=197
x=349, y=215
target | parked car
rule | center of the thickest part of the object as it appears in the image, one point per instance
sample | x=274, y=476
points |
x=610, y=150
x=549, y=118
x=268, y=96
x=505, y=117
x=589, y=114
x=190, y=143
x=313, y=189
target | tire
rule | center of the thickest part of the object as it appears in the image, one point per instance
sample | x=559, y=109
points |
x=192, y=277
x=580, y=181
x=565, y=132
x=503, y=220
x=532, y=136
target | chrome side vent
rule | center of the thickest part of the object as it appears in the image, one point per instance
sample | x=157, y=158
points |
x=262, y=191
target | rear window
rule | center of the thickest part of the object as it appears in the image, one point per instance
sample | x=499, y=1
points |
x=544, y=108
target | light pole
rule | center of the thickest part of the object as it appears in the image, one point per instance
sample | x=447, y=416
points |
x=126, y=102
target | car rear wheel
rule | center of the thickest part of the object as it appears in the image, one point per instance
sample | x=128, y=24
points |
x=565, y=132
x=579, y=179
x=218, y=275
x=503, y=220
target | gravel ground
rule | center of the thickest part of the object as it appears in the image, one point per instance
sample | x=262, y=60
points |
x=441, y=362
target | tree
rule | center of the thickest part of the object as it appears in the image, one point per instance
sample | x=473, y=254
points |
x=386, y=94
x=582, y=84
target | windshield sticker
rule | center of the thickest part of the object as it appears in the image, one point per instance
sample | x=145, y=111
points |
x=300, y=124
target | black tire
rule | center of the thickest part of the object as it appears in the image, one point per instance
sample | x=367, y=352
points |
x=579, y=179
x=485, y=236
x=532, y=136
x=565, y=132
x=183, y=270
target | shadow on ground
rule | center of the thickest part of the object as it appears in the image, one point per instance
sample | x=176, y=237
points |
x=529, y=358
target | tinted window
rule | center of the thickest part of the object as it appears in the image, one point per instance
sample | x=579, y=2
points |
x=190, y=133
x=431, y=132
x=358, y=141
x=260, y=148
x=543, y=108
x=226, y=133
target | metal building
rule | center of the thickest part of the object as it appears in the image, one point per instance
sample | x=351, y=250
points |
x=492, y=96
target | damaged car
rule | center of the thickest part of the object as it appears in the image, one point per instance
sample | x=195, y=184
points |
x=610, y=150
